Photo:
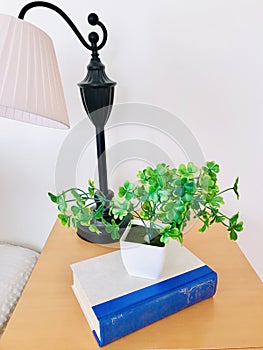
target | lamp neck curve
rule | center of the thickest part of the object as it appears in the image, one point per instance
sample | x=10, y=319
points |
x=92, y=19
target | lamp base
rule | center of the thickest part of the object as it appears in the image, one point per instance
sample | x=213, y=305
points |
x=104, y=238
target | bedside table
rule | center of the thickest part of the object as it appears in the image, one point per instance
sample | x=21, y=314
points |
x=49, y=317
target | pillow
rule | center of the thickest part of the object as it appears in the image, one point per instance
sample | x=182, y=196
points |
x=16, y=265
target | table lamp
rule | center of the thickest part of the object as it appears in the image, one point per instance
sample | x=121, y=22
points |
x=31, y=89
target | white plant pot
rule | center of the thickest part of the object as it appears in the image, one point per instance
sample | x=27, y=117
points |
x=142, y=260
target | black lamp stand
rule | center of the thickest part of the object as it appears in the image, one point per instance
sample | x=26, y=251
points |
x=97, y=94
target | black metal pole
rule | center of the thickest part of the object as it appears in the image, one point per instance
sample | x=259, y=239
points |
x=102, y=165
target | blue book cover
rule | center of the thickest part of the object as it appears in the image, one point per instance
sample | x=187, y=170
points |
x=116, y=304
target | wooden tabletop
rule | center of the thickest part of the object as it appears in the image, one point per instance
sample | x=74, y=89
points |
x=49, y=317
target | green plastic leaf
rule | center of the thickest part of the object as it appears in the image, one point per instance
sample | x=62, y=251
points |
x=120, y=209
x=112, y=228
x=153, y=185
x=203, y=228
x=154, y=197
x=147, y=207
x=85, y=216
x=181, y=169
x=78, y=198
x=234, y=219
x=122, y=191
x=129, y=196
x=190, y=186
x=205, y=225
x=162, y=169
x=220, y=218
x=217, y=201
x=63, y=218
x=168, y=206
x=91, y=183
x=97, y=215
x=164, y=238
x=62, y=204
x=212, y=166
x=108, y=228
x=205, y=182
x=149, y=172
x=239, y=226
x=75, y=210
x=179, y=191
x=91, y=188
x=191, y=168
x=174, y=232
x=53, y=197
x=235, y=187
x=126, y=190
x=141, y=194
x=127, y=185
x=170, y=214
x=75, y=223
x=195, y=204
x=170, y=231
x=233, y=235
x=163, y=195
x=187, y=198
x=93, y=228
x=141, y=176
x=115, y=234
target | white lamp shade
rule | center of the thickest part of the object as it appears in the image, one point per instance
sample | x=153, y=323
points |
x=30, y=83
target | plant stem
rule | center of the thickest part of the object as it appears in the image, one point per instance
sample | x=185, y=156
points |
x=75, y=189
x=151, y=230
x=227, y=189
x=90, y=204
x=142, y=220
x=139, y=217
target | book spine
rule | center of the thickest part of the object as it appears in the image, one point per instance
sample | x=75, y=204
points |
x=143, y=313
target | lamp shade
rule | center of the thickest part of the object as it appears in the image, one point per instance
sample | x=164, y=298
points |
x=30, y=83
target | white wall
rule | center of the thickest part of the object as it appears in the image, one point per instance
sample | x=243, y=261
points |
x=200, y=60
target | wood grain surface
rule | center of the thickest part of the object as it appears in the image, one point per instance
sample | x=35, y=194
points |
x=49, y=317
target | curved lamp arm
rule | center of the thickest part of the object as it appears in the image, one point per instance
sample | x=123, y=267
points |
x=93, y=20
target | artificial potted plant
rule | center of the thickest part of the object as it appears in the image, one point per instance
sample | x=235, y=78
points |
x=162, y=201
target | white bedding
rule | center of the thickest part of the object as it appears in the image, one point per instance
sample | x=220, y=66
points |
x=16, y=265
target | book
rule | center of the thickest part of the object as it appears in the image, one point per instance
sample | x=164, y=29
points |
x=116, y=304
